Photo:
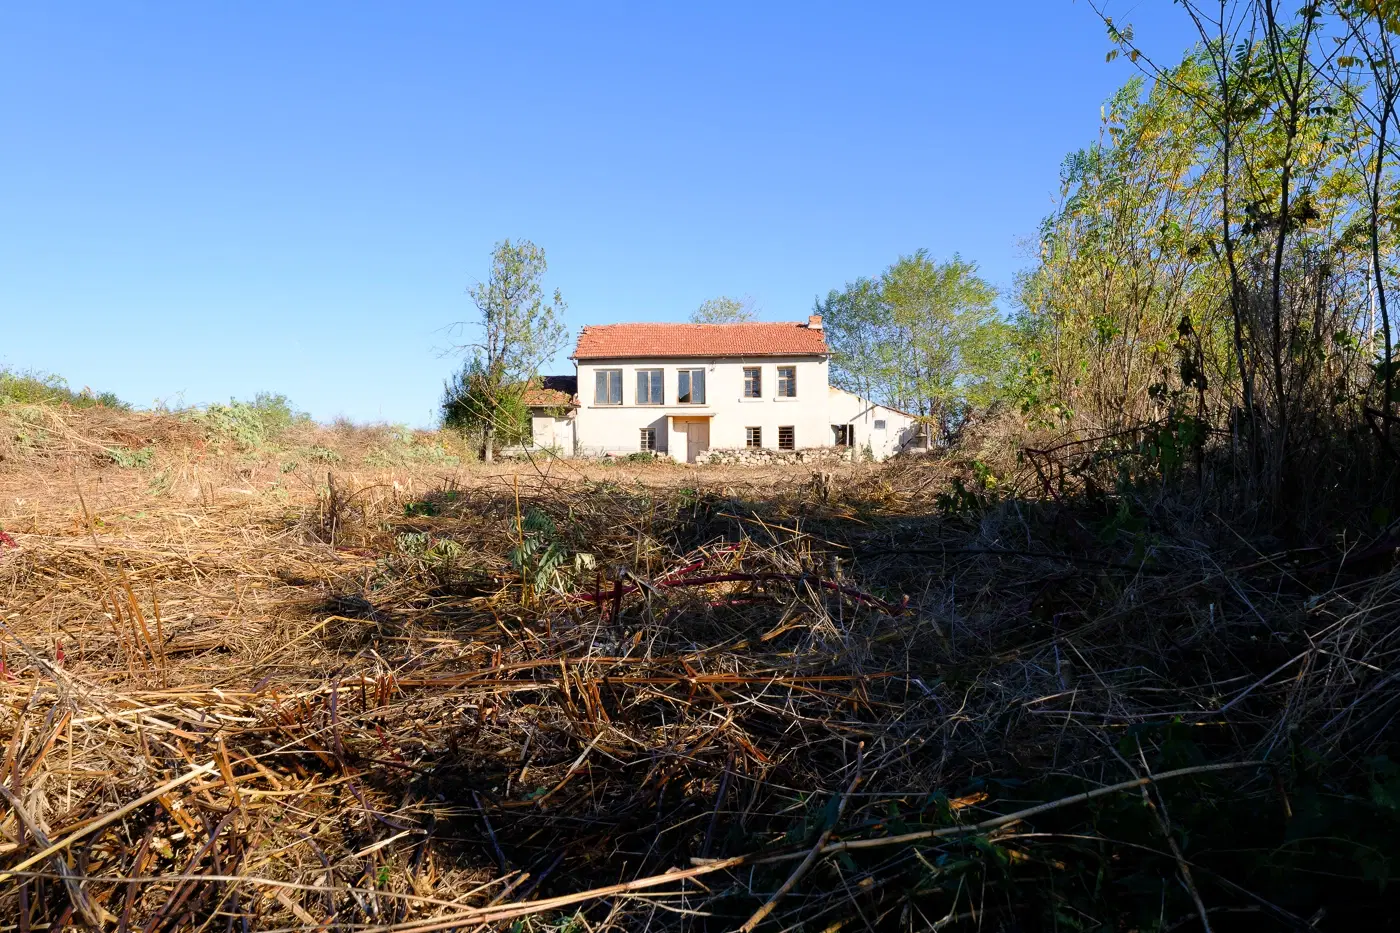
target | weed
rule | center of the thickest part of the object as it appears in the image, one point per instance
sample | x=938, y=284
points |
x=963, y=499
x=250, y=425
x=540, y=556
x=407, y=448
x=129, y=459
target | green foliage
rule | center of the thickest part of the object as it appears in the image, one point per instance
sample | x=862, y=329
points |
x=130, y=459
x=1211, y=268
x=925, y=337
x=516, y=331
x=471, y=404
x=964, y=499
x=31, y=387
x=540, y=557
x=404, y=447
x=439, y=558
x=251, y=425
x=723, y=310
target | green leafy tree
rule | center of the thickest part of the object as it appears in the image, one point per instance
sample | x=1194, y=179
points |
x=925, y=336
x=723, y=310
x=471, y=404
x=517, y=330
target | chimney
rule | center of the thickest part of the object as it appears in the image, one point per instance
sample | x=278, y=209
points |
x=814, y=322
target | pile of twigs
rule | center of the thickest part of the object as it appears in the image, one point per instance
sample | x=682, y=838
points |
x=554, y=700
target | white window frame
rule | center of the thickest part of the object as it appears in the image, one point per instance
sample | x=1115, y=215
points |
x=879, y=424
x=843, y=435
x=753, y=438
x=791, y=379
x=608, y=374
x=756, y=372
x=647, y=440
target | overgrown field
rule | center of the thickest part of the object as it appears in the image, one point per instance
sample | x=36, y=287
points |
x=348, y=681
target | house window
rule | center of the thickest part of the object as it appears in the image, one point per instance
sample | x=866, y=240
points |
x=753, y=437
x=753, y=382
x=786, y=438
x=690, y=387
x=844, y=435
x=787, y=382
x=648, y=439
x=880, y=425
x=608, y=389
x=649, y=390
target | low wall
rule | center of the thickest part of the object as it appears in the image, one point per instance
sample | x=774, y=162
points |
x=764, y=455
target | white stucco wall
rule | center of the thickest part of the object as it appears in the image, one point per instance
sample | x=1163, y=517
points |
x=615, y=429
x=549, y=430
x=847, y=408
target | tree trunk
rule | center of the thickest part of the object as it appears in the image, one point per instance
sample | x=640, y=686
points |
x=488, y=443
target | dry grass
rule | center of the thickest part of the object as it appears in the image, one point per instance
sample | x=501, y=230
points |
x=271, y=691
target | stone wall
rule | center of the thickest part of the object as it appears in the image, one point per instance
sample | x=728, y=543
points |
x=764, y=455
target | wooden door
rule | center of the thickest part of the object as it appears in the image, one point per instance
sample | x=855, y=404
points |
x=697, y=439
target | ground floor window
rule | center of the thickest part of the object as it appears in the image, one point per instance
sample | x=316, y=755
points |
x=753, y=437
x=648, y=439
x=787, y=438
x=843, y=435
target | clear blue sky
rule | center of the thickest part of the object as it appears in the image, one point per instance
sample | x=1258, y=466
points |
x=205, y=200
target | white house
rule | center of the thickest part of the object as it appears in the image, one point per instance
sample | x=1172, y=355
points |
x=686, y=389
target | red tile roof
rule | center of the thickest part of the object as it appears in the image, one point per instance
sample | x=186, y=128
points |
x=546, y=398
x=552, y=392
x=625, y=341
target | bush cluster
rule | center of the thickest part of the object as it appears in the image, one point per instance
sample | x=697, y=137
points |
x=32, y=387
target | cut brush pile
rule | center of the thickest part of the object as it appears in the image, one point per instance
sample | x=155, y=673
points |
x=573, y=698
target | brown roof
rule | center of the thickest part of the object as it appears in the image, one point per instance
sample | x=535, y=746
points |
x=546, y=398
x=552, y=392
x=622, y=341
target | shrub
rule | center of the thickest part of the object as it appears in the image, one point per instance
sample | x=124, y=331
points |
x=32, y=387
x=251, y=425
x=403, y=447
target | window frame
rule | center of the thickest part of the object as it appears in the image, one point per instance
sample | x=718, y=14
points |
x=753, y=438
x=647, y=440
x=844, y=435
x=656, y=379
x=688, y=375
x=756, y=374
x=879, y=425
x=791, y=430
x=608, y=373
x=790, y=378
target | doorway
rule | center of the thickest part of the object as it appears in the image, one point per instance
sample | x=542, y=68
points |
x=697, y=439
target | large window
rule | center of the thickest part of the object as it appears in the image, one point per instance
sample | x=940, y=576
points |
x=648, y=441
x=753, y=437
x=843, y=435
x=753, y=382
x=787, y=382
x=649, y=387
x=787, y=438
x=608, y=389
x=690, y=387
